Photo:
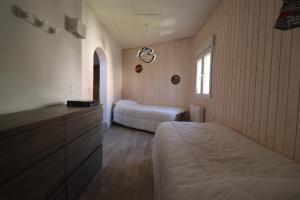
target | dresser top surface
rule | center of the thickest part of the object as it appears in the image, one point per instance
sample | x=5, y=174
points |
x=13, y=123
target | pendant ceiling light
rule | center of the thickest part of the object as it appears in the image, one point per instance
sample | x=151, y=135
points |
x=146, y=54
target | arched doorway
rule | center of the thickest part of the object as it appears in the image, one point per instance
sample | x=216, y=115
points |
x=96, y=84
x=100, y=80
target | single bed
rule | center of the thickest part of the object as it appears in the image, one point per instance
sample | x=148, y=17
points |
x=144, y=117
x=209, y=161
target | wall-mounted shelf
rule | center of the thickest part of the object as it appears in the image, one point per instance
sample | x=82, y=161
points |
x=31, y=18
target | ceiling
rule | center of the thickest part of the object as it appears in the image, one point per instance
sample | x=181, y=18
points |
x=135, y=23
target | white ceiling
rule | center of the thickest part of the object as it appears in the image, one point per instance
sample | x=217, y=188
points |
x=135, y=23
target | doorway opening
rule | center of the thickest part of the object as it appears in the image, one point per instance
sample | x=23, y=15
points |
x=100, y=82
x=96, y=88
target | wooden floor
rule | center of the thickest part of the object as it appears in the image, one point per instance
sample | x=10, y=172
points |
x=127, y=167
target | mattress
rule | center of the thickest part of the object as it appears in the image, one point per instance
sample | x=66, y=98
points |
x=209, y=161
x=145, y=117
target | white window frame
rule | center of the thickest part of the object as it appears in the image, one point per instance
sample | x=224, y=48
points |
x=201, y=56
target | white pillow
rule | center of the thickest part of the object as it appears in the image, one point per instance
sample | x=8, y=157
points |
x=126, y=103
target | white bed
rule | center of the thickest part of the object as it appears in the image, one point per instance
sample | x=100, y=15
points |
x=209, y=161
x=145, y=117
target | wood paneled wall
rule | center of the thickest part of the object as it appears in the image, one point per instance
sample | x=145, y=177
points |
x=153, y=85
x=256, y=74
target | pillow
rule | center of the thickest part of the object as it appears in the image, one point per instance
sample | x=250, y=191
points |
x=126, y=103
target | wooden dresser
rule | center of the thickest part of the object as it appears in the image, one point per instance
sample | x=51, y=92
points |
x=49, y=153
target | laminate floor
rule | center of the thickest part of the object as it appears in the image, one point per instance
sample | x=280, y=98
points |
x=127, y=167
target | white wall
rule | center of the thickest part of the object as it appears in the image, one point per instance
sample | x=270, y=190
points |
x=37, y=68
x=153, y=85
x=97, y=36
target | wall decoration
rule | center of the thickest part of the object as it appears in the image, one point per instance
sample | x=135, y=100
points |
x=146, y=55
x=289, y=16
x=31, y=18
x=138, y=68
x=75, y=26
x=175, y=79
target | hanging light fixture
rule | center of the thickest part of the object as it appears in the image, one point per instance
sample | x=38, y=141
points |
x=146, y=54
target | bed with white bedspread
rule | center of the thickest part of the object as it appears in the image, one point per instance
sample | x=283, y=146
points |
x=209, y=161
x=145, y=117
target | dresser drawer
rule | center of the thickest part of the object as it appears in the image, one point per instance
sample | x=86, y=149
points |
x=83, y=175
x=59, y=194
x=22, y=151
x=79, y=150
x=78, y=126
x=39, y=182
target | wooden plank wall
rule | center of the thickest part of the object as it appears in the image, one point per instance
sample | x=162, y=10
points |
x=153, y=86
x=256, y=74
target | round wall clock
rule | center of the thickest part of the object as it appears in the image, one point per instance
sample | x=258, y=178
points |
x=175, y=79
x=138, y=68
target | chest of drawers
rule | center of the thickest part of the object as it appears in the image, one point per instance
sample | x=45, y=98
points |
x=49, y=153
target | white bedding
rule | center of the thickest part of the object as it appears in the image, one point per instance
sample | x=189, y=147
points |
x=144, y=117
x=193, y=161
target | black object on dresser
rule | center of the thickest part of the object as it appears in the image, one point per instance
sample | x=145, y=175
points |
x=49, y=153
x=82, y=103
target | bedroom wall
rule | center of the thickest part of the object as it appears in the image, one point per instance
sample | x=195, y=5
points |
x=256, y=74
x=37, y=68
x=98, y=37
x=153, y=85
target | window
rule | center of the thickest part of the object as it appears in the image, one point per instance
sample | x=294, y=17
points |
x=203, y=79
